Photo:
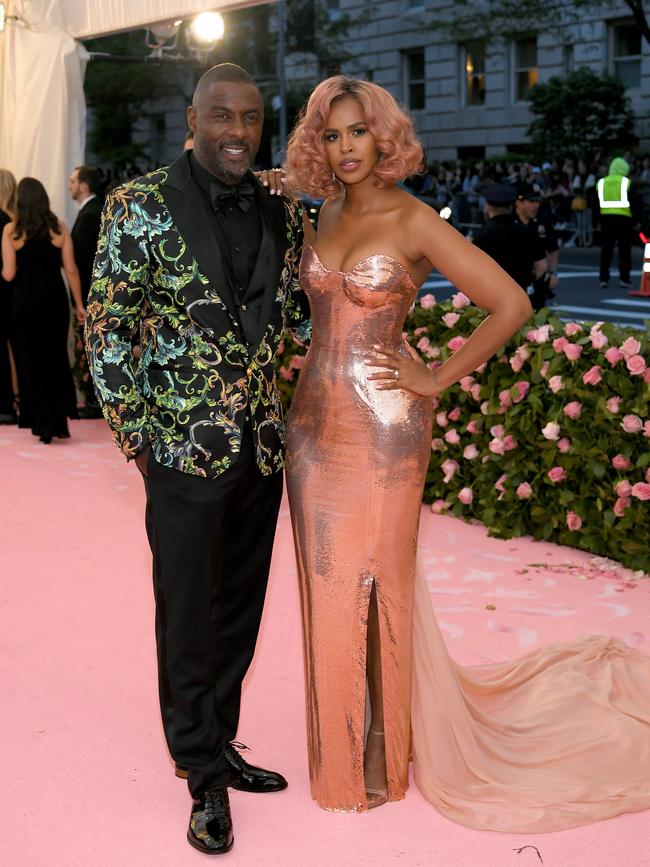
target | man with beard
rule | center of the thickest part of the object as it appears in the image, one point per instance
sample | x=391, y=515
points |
x=202, y=263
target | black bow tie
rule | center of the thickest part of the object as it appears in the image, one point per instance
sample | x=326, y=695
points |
x=240, y=195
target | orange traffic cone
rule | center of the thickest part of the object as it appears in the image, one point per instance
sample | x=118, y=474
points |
x=644, y=288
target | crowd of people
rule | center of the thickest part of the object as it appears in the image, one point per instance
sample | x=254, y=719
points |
x=569, y=190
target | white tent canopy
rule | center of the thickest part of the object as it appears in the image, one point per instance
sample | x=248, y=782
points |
x=42, y=104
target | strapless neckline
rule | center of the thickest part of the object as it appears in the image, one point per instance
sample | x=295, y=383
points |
x=363, y=262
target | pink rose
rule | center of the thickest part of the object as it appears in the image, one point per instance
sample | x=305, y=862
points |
x=470, y=452
x=621, y=505
x=572, y=328
x=556, y=474
x=646, y=429
x=623, y=488
x=592, y=376
x=439, y=506
x=441, y=419
x=539, y=335
x=573, y=521
x=509, y=443
x=522, y=387
x=564, y=445
x=466, y=495
x=286, y=373
x=516, y=363
x=598, y=339
x=433, y=352
x=523, y=352
x=466, y=383
x=614, y=355
x=630, y=347
x=635, y=364
x=556, y=383
x=472, y=427
x=551, y=431
x=428, y=301
x=456, y=343
x=496, y=446
x=524, y=491
x=481, y=367
x=641, y=491
x=450, y=319
x=437, y=444
x=647, y=474
x=559, y=343
x=475, y=391
x=631, y=423
x=573, y=409
x=613, y=404
x=500, y=482
x=459, y=300
x=452, y=436
x=572, y=351
x=544, y=369
x=421, y=330
x=646, y=374
x=620, y=462
x=297, y=362
x=504, y=398
x=449, y=469
x=423, y=344
x=497, y=430
x=454, y=415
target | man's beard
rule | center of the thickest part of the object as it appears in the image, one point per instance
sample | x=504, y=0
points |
x=220, y=166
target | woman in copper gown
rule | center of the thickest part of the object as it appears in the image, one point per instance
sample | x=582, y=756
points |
x=506, y=747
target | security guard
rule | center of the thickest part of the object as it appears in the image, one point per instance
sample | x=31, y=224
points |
x=617, y=205
x=532, y=215
x=512, y=246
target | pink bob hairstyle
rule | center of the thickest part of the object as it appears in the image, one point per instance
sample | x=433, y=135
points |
x=401, y=153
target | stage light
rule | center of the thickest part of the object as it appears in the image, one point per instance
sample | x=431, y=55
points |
x=207, y=27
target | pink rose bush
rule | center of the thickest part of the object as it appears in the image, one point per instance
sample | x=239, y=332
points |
x=550, y=438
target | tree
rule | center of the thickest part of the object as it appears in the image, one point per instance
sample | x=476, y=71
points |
x=579, y=114
x=490, y=19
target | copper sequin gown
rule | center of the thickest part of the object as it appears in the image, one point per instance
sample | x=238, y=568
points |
x=552, y=740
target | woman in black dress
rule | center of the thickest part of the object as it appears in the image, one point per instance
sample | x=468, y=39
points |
x=34, y=249
x=7, y=338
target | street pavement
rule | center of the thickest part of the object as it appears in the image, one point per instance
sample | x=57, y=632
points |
x=579, y=296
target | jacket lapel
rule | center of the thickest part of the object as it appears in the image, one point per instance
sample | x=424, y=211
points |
x=273, y=247
x=186, y=206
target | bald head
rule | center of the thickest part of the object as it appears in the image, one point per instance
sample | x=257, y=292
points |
x=223, y=73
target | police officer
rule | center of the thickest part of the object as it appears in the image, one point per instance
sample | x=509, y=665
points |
x=531, y=213
x=512, y=246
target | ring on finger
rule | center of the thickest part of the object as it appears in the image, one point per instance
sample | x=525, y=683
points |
x=396, y=373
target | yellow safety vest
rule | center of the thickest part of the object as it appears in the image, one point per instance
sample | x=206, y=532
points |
x=612, y=195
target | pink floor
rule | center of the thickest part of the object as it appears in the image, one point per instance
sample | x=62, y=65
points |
x=87, y=780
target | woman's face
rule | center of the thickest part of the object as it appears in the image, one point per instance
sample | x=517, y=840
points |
x=350, y=147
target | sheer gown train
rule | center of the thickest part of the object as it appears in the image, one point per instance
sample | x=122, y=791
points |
x=552, y=740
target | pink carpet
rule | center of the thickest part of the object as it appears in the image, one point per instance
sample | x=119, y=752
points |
x=87, y=780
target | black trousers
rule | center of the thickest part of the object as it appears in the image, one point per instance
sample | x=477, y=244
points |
x=613, y=228
x=211, y=541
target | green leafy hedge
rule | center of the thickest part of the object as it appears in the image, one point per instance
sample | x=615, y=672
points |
x=551, y=438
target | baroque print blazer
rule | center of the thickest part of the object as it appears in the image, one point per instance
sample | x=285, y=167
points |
x=197, y=376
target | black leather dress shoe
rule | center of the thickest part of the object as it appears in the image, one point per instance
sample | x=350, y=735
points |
x=246, y=778
x=210, y=829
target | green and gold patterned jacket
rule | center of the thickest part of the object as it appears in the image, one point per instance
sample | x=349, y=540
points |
x=159, y=284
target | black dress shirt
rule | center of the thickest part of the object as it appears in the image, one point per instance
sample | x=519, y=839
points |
x=238, y=234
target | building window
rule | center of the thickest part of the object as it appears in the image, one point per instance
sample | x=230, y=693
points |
x=473, y=55
x=626, y=53
x=413, y=4
x=414, y=79
x=525, y=67
x=567, y=58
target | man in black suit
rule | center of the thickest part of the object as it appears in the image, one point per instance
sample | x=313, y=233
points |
x=200, y=263
x=84, y=186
